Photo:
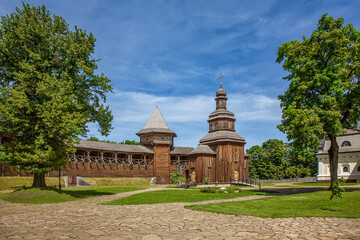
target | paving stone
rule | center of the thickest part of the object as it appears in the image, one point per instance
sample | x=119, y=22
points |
x=88, y=219
x=95, y=232
x=151, y=237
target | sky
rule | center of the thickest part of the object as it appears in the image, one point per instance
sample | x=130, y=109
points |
x=170, y=54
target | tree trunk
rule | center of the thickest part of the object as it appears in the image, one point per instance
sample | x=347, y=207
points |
x=39, y=181
x=333, y=159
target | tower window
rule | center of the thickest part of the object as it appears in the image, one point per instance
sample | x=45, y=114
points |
x=346, y=144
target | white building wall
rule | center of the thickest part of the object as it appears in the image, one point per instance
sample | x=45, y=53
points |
x=351, y=161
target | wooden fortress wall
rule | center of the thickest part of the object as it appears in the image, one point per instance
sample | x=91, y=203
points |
x=218, y=169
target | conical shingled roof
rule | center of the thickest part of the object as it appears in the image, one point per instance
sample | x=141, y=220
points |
x=156, y=123
x=202, y=149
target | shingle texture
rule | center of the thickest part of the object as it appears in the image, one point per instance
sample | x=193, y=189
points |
x=222, y=136
x=156, y=123
x=202, y=149
x=352, y=136
x=181, y=150
x=114, y=147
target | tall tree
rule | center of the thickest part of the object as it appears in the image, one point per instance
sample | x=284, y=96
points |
x=323, y=97
x=268, y=161
x=278, y=160
x=48, y=91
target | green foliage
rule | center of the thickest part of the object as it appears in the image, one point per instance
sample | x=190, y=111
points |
x=129, y=142
x=336, y=190
x=278, y=160
x=233, y=189
x=49, y=91
x=169, y=196
x=176, y=178
x=323, y=97
x=206, y=181
x=210, y=189
x=95, y=139
x=315, y=204
x=219, y=190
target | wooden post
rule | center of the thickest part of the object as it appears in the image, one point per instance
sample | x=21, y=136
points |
x=59, y=178
x=2, y=163
x=145, y=165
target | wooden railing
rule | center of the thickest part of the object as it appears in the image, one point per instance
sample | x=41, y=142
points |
x=246, y=182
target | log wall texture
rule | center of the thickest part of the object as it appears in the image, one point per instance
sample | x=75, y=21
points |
x=162, y=163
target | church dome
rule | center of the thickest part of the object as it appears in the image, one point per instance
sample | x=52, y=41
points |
x=220, y=92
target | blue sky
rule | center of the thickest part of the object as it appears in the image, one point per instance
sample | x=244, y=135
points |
x=170, y=53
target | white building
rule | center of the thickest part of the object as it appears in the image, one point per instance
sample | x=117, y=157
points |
x=349, y=157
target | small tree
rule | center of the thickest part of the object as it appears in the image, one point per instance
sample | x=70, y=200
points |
x=49, y=91
x=336, y=191
x=176, y=178
x=206, y=181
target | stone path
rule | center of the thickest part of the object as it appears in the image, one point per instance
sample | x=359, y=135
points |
x=86, y=219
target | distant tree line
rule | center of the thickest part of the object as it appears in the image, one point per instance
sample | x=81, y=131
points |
x=129, y=142
x=275, y=159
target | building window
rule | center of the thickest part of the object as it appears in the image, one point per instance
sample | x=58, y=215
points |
x=358, y=168
x=346, y=144
x=345, y=169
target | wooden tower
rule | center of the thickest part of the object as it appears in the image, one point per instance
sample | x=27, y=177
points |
x=230, y=163
x=157, y=136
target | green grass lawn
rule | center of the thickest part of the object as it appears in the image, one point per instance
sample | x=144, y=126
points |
x=313, y=184
x=119, y=181
x=169, y=196
x=13, y=182
x=315, y=204
x=53, y=195
x=297, y=184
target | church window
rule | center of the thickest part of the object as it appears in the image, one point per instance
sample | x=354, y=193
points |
x=346, y=144
x=345, y=169
x=358, y=168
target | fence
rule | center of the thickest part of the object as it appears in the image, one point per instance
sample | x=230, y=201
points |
x=307, y=179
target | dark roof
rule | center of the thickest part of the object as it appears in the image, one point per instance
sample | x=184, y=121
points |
x=353, y=131
x=155, y=130
x=351, y=136
x=156, y=124
x=202, y=149
x=113, y=147
x=221, y=91
x=181, y=150
x=222, y=136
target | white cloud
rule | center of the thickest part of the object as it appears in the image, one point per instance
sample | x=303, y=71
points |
x=255, y=107
x=137, y=107
x=186, y=115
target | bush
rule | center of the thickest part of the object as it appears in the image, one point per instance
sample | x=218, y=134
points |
x=206, y=181
x=210, y=189
x=176, y=177
x=232, y=189
x=219, y=190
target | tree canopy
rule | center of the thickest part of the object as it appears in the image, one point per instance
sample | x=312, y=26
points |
x=275, y=159
x=49, y=90
x=323, y=97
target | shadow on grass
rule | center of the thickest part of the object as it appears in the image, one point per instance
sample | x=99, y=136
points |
x=84, y=193
x=79, y=193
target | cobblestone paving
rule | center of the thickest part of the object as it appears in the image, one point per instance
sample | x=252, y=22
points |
x=86, y=219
